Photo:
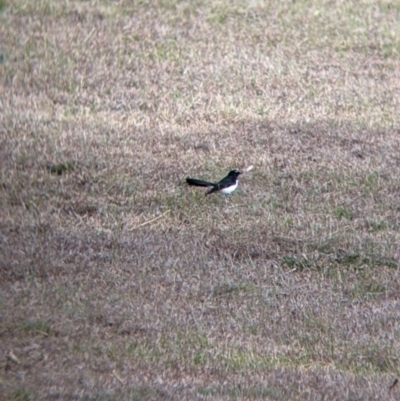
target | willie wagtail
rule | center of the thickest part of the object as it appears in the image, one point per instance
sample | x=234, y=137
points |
x=226, y=186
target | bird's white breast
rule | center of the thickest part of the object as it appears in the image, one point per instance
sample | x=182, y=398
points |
x=229, y=190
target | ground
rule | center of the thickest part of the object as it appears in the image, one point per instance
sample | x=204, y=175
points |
x=119, y=282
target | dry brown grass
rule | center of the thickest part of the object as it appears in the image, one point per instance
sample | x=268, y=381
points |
x=290, y=290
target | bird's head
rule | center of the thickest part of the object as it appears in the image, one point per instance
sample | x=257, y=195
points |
x=234, y=173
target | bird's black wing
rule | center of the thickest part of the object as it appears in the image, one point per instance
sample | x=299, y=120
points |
x=226, y=182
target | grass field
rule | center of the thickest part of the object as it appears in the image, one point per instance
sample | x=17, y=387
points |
x=118, y=282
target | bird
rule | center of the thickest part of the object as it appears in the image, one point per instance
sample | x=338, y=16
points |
x=226, y=186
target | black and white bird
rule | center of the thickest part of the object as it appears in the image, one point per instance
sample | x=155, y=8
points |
x=226, y=186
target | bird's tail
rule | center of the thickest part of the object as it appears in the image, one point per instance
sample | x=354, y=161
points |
x=199, y=183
